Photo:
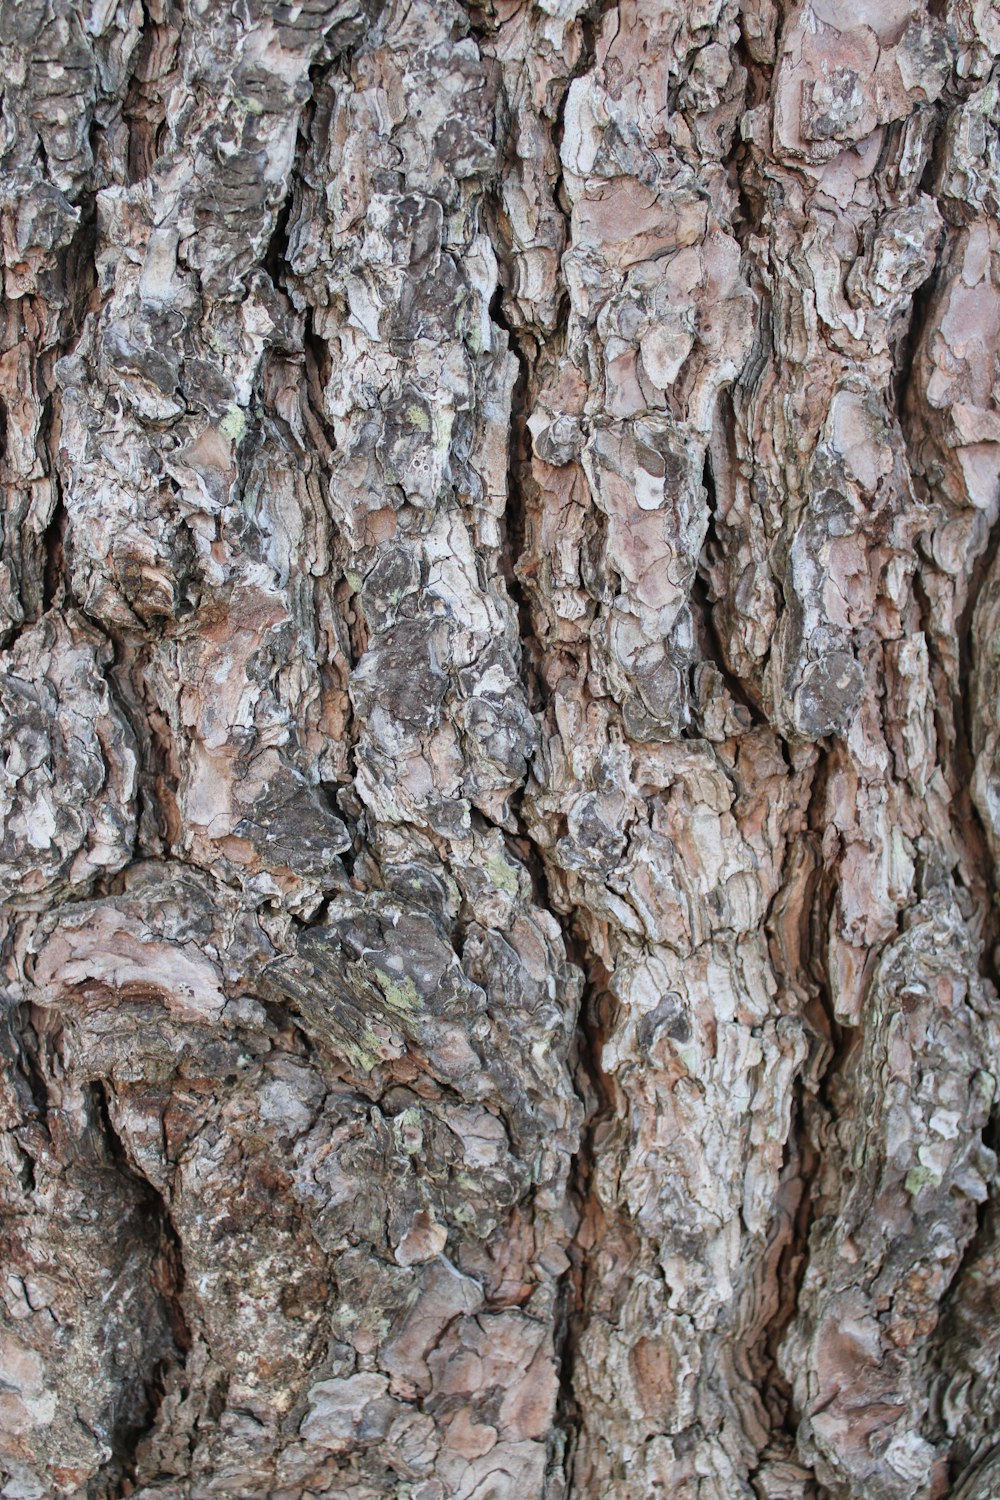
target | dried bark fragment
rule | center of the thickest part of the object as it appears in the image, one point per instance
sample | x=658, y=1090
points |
x=70, y=765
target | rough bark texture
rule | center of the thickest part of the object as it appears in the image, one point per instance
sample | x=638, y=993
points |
x=500, y=686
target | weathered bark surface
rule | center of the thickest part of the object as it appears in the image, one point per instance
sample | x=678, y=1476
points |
x=500, y=682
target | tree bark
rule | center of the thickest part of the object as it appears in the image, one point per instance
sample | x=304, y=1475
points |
x=500, y=685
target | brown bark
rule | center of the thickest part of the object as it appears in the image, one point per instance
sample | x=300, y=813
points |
x=501, y=699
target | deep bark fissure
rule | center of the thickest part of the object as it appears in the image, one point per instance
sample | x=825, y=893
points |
x=167, y=1273
x=589, y=1081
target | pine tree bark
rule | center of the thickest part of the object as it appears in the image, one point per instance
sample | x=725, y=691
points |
x=500, y=685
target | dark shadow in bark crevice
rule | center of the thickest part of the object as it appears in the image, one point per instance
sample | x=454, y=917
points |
x=152, y=1215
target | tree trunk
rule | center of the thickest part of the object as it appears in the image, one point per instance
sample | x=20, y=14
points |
x=501, y=702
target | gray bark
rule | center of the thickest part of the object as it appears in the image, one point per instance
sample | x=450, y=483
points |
x=500, y=682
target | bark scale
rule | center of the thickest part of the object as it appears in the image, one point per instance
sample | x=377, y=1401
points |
x=500, y=683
